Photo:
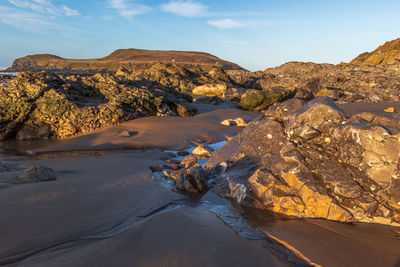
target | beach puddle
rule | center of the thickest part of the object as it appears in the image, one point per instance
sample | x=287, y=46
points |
x=203, y=161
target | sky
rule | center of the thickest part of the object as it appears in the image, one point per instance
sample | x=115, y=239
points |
x=254, y=34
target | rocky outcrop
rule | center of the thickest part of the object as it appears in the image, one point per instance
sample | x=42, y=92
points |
x=181, y=78
x=131, y=58
x=344, y=82
x=386, y=54
x=45, y=105
x=311, y=160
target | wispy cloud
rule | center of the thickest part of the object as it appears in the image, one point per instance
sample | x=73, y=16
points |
x=226, y=24
x=23, y=20
x=69, y=11
x=186, y=8
x=128, y=9
x=45, y=7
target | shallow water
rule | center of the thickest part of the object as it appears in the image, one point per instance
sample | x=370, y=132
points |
x=202, y=162
x=9, y=73
x=23, y=148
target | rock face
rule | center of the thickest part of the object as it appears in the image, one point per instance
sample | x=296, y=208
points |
x=132, y=58
x=344, y=82
x=386, y=54
x=45, y=105
x=310, y=160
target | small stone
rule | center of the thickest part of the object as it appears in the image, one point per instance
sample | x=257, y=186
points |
x=125, y=133
x=176, y=174
x=167, y=173
x=240, y=122
x=223, y=166
x=203, y=150
x=173, y=167
x=390, y=110
x=174, y=161
x=189, y=161
x=227, y=123
x=269, y=136
x=236, y=122
x=228, y=138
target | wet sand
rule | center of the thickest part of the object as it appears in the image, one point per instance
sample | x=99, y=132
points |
x=172, y=133
x=108, y=209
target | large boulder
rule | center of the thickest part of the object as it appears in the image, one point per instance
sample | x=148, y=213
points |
x=211, y=90
x=310, y=160
x=261, y=99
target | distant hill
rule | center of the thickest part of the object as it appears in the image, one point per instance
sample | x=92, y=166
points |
x=386, y=54
x=132, y=58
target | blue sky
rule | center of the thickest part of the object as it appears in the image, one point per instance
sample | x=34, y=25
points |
x=255, y=34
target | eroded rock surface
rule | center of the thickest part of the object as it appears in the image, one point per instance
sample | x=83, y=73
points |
x=45, y=105
x=386, y=54
x=311, y=160
x=344, y=82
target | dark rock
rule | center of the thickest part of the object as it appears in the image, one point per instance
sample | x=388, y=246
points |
x=189, y=162
x=173, y=167
x=261, y=99
x=193, y=180
x=31, y=132
x=38, y=173
x=310, y=160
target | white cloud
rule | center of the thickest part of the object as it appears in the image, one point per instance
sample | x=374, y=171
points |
x=45, y=7
x=226, y=24
x=69, y=11
x=128, y=9
x=23, y=20
x=185, y=8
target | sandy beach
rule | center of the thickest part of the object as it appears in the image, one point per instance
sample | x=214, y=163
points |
x=107, y=208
